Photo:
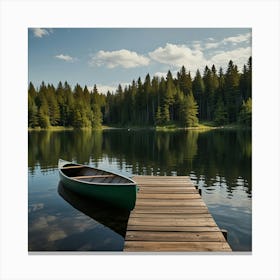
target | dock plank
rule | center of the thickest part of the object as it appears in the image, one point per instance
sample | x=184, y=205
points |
x=168, y=210
x=149, y=177
x=144, y=246
x=210, y=236
x=170, y=216
x=167, y=190
x=166, y=184
x=162, y=202
x=167, y=196
x=173, y=222
x=175, y=229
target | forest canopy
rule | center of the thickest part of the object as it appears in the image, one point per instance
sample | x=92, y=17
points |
x=213, y=96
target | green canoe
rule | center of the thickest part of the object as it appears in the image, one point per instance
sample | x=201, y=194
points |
x=103, y=185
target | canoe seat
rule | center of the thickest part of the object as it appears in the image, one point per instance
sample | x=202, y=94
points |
x=93, y=176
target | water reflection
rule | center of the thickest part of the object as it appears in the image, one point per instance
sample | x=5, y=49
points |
x=56, y=225
x=111, y=217
x=220, y=156
x=45, y=147
x=218, y=161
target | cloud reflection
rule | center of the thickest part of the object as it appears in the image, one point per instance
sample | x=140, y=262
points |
x=43, y=222
x=46, y=231
x=56, y=235
x=35, y=207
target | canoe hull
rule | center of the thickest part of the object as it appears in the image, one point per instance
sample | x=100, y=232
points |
x=120, y=195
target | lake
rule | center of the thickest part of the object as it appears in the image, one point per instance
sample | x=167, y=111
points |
x=217, y=161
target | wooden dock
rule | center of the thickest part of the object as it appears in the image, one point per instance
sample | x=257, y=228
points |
x=170, y=216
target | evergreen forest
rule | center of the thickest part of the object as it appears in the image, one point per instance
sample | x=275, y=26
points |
x=214, y=96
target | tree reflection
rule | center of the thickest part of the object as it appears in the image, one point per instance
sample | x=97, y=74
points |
x=213, y=156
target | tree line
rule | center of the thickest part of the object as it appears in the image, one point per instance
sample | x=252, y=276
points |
x=213, y=96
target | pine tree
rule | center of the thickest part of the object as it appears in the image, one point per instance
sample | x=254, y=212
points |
x=169, y=99
x=189, y=111
x=220, y=115
x=178, y=100
x=32, y=108
x=249, y=79
x=94, y=96
x=214, y=91
x=207, y=89
x=43, y=108
x=60, y=97
x=221, y=85
x=158, y=118
x=68, y=106
x=86, y=96
x=147, y=87
x=245, y=115
x=140, y=102
x=82, y=112
x=211, y=83
x=233, y=97
x=32, y=91
x=54, y=112
x=165, y=116
x=184, y=81
x=32, y=113
x=198, y=91
x=78, y=121
x=96, y=117
x=246, y=80
x=43, y=118
x=155, y=92
x=132, y=102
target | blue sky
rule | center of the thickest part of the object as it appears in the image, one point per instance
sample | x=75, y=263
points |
x=111, y=56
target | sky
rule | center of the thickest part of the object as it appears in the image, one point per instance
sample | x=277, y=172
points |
x=108, y=57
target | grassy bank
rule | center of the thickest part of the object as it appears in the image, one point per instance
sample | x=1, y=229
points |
x=203, y=126
x=50, y=128
x=173, y=127
x=63, y=128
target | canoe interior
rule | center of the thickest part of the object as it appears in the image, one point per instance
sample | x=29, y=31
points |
x=92, y=175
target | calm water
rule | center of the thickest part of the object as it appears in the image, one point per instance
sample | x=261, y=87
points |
x=219, y=162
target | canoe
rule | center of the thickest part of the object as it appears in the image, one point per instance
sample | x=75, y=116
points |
x=106, y=186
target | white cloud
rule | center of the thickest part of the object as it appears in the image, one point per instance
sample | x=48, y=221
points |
x=164, y=74
x=238, y=39
x=161, y=74
x=105, y=88
x=66, y=57
x=197, y=46
x=238, y=56
x=179, y=55
x=40, y=32
x=234, y=40
x=212, y=45
x=123, y=58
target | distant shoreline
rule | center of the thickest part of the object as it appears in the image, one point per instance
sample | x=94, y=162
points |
x=200, y=127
